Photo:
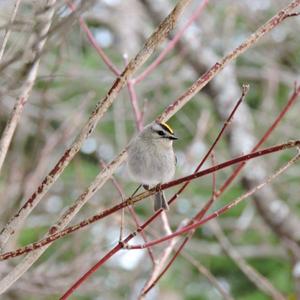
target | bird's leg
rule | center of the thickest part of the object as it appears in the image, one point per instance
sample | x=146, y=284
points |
x=137, y=189
x=122, y=222
x=122, y=217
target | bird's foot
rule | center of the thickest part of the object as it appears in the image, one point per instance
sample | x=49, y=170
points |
x=158, y=187
x=146, y=187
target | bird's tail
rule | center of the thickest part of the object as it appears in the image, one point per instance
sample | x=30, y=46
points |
x=160, y=201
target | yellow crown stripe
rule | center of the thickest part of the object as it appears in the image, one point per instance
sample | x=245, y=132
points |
x=168, y=127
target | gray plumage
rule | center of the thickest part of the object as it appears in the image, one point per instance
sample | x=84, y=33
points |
x=151, y=159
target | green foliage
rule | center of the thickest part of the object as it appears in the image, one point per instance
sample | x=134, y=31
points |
x=30, y=235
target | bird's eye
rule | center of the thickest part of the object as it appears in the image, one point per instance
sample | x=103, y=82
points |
x=160, y=132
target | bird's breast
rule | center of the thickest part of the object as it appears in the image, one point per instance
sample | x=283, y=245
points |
x=151, y=164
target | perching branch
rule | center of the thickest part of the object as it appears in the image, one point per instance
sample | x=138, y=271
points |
x=150, y=192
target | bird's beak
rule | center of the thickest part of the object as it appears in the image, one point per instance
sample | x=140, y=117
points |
x=173, y=137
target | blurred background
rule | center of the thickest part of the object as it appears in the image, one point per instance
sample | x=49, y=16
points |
x=262, y=233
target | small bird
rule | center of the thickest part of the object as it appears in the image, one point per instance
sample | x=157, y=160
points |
x=151, y=158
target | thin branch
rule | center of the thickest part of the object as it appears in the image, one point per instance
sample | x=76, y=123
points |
x=157, y=277
x=134, y=102
x=138, y=115
x=8, y=29
x=137, y=223
x=31, y=69
x=161, y=262
x=260, y=281
x=282, y=113
x=172, y=43
x=93, y=42
x=203, y=270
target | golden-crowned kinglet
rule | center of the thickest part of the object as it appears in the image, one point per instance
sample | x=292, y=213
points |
x=151, y=159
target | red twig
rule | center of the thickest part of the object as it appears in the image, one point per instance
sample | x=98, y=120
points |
x=132, y=212
x=70, y=291
x=93, y=42
x=172, y=43
x=289, y=104
x=165, y=269
x=214, y=180
x=160, y=263
x=137, y=222
x=217, y=213
x=134, y=102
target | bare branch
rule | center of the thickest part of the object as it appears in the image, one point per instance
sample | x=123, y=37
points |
x=8, y=29
x=172, y=43
x=203, y=270
x=154, y=276
x=31, y=69
x=260, y=281
x=93, y=42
